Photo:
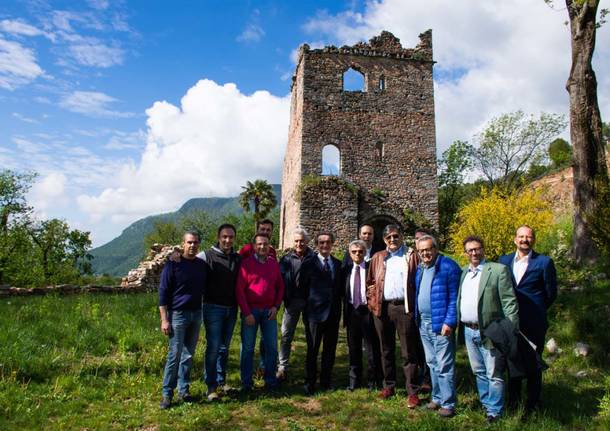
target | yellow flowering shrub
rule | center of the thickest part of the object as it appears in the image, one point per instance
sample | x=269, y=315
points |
x=495, y=216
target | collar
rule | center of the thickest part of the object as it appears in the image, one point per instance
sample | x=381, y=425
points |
x=359, y=265
x=217, y=249
x=258, y=259
x=478, y=268
x=400, y=252
x=523, y=259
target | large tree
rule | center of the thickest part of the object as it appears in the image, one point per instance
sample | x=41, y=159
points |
x=589, y=160
x=258, y=197
x=512, y=142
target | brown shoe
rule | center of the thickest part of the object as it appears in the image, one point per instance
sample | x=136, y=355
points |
x=446, y=413
x=386, y=393
x=412, y=401
x=432, y=406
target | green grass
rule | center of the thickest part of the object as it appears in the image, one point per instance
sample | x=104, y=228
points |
x=95, y=362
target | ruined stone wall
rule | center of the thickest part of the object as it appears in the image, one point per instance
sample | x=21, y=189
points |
x=397, y=118
x=331, y=205
x=291, y=176
x=148, y=273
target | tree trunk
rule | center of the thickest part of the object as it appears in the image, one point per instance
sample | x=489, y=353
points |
x=589, y=159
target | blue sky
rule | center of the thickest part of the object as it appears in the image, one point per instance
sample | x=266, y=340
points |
x=129, y=108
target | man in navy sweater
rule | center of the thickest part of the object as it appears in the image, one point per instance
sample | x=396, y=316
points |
x=180, y=294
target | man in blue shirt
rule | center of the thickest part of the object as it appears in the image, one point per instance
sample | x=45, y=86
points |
x=436, y=283
x=180, y=295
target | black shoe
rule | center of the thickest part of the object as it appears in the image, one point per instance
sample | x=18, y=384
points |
x=165, y=403
x=281, y=375
x=185, y=398
x=491, y=419
x=309, y=390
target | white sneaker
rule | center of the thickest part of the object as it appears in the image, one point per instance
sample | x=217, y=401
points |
x=212, y=395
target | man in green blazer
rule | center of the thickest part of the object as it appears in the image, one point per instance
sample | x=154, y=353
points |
x=485, y=295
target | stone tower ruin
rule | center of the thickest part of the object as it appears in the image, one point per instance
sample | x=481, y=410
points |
x=384, y=133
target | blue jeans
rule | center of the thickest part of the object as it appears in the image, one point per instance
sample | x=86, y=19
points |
x=219, y=321
x=488, y=368
x=182, y=343
x=248, y=341
x=440, y=357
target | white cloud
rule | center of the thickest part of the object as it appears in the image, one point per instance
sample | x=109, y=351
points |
x=209, y=146
x=98, y=4
x=126, y=141
x=25, y=119
x=492, y=57
x=18, y=27
x=17, y=65
x=92, y=103
x=253, y=32
x=48, y=191
x=89, y=51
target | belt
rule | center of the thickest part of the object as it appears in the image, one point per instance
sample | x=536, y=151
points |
x=396, y=302
x=474, y=326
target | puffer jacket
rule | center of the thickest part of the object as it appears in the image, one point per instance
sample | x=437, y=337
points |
x=443, y=294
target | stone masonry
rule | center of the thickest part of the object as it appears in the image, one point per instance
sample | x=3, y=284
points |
x=385, y=135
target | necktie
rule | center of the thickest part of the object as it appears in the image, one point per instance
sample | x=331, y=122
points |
x=326, y=267
x=357, y=296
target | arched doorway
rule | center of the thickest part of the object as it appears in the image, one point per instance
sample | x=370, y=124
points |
x=379, y=222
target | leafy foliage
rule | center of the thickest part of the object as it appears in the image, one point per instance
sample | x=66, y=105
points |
x=512, y=142
x=560, y=153
x=258, y=197
x=496, y=215
x=36, y=252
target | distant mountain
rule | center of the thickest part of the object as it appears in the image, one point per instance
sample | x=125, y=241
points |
x=124, y=252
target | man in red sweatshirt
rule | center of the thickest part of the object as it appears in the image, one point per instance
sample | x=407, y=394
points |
x=259, y=293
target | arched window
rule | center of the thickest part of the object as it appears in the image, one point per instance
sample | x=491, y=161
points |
x=379, y=151
x=353, y=80
x=331, y=160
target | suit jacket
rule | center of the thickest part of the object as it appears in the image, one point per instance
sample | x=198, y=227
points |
x=347, y=293
x=323, y=289
x=535, y=292
x=496, y=297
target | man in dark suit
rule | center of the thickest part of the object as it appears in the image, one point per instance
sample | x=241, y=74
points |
x=535, y=281
x=321, y=279
x=358, y=321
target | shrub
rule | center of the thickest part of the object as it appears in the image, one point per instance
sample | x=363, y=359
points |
x=495, y=216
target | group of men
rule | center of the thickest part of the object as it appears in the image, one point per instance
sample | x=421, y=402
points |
x=418, y=294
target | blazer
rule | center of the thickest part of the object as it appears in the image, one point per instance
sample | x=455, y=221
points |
x=347, y=293
x=496, y=297
x=323, y=289
x=536, y=291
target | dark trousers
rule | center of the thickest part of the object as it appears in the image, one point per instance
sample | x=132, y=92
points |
x=533, y=373
x=393, y=319
x=316, y=333
x=360, y=330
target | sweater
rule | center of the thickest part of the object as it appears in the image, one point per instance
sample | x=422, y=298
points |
x=182, y=284
x=259, y=285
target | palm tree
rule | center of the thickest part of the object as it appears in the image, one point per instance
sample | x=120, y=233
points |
x=258, y=195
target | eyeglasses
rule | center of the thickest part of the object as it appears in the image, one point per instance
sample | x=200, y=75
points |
x=474, y=250
x=356, y=251
x=426, y=250
x=395, y=236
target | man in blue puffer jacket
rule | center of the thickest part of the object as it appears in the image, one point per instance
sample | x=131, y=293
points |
x=436, y=288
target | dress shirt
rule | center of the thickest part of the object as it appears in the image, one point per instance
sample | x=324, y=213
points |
x=469, y=302
x=367, y=255
x=395, y=266
x=520, y=265
x=362, y=269
x=329, y=260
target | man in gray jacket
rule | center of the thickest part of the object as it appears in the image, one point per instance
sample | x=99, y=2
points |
x=294, y=297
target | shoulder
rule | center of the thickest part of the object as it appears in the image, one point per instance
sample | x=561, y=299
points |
x=506, y=258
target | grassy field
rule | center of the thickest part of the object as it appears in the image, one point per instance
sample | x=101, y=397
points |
x=95, y=362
